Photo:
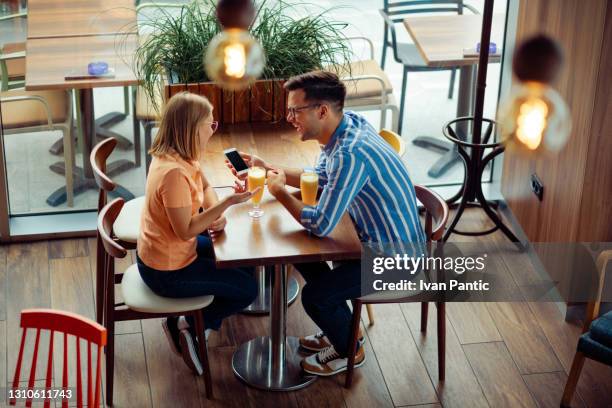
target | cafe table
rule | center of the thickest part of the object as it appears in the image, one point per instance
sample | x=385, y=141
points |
x=69, y=18
x=49, y=60
x=273, y=362
x=440, y=41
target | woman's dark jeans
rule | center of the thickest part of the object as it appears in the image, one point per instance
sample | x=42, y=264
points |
x=233, y=289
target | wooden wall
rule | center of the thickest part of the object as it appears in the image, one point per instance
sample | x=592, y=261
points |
x=577, y=203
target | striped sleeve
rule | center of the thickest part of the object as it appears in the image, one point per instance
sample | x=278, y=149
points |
x=321, y=170
x=346, y=178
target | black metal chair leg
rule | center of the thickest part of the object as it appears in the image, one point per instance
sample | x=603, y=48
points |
x=384, y=50
x=402, y=100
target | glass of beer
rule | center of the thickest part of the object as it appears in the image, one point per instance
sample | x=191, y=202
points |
x=309, y=186
x=256, y=178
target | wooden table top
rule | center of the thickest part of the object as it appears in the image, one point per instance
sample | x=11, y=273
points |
x=49, y=60
x=441, y=39
x=277, y=238
x=63, y=18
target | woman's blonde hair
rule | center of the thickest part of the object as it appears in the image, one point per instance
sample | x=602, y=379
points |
x=178, y=130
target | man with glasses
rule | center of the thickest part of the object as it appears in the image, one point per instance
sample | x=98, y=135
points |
x=359, y=173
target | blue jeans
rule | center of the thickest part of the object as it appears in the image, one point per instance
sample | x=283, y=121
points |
x=233, y=289
x=324, y=298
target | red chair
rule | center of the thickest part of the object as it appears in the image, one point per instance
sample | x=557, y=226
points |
x=68, y=324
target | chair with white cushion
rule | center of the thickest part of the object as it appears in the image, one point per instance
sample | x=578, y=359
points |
x=368, y=87
x=127, y=222
x=139, y=301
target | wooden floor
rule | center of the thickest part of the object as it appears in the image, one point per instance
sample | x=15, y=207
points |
x=498, y=354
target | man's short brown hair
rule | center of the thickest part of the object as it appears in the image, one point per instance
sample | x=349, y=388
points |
x=319, y=86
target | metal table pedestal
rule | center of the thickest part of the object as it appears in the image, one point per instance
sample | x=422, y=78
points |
x=261, y=305
x=273, y=363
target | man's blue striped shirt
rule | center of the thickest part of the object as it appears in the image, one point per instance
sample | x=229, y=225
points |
x=360, y=172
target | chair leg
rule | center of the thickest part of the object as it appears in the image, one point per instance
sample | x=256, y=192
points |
x=352, y=349
x=148, y=127
x=370, y=314
x=384, y=50
x=110, y=353
x=136, y=127
x=402, y=100
x=199, y=322
x=424, y=310
x=451, y=87
x=68, y=143
x=572, y=379
x=441, y=318
x=100, y=288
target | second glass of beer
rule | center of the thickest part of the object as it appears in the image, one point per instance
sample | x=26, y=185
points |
x=309, y=187
x=256, y=178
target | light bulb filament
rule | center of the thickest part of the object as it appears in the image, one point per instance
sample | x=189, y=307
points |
x=235, y=60
x=531, y=122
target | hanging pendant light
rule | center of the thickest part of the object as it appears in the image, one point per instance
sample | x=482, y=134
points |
x=535, y=118
x=234, y=59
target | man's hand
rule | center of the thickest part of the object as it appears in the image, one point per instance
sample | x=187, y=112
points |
x=250, y=161
x=276, y=181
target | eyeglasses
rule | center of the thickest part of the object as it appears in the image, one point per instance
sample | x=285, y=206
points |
x=292, y=111
x=213, y=125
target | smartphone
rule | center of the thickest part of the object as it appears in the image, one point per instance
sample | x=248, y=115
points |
x=234, y=157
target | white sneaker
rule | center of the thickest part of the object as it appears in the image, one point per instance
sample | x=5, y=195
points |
x=328, y=362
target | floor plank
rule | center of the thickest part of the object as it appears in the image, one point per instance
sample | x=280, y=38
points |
x=170, y=380
x=4, y=374
x=524, y=338
x=472, y=322
x=399, y=359
x=370, y=388
x=547, y=389
x=68, y=248
x=76, y=298
x=132, y=386
x=3, y=282
x=595, y=385
x=28, y=286
x=498, y=376
x=460, y=389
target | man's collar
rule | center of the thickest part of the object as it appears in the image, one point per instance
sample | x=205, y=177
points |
x=329, y=147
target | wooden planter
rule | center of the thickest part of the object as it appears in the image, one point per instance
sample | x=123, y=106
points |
x=264, y=101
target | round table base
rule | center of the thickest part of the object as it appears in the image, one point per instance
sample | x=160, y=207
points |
x=252, y=363
x=261, y=305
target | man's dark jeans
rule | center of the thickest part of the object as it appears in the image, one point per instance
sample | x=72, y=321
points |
x=324, y=298
x=233, y=289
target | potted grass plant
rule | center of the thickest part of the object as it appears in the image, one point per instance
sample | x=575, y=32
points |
x=169, y=58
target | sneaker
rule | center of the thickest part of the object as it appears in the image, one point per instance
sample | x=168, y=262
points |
x=328, y=362
x=170, y=327
x=189, y=351
x=319, y=341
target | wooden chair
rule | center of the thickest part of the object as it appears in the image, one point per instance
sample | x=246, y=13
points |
x=68, y=324
x=394, y=12
x=368, y=87
x=596, y=340
x=436, y=216
x=399, y=146
x=127, y=224
x=140, y=302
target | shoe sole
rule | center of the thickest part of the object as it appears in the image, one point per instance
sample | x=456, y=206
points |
x=190, y=354
x=170, y=339
x=333, y=372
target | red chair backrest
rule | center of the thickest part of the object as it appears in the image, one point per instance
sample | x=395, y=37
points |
x=69, y=324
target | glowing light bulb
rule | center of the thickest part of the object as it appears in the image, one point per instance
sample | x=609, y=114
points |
x=534, y=118
x=234, y=59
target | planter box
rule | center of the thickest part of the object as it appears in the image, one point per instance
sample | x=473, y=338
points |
x=264, y=101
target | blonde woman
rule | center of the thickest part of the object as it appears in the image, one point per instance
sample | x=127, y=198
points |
x=174, y=255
